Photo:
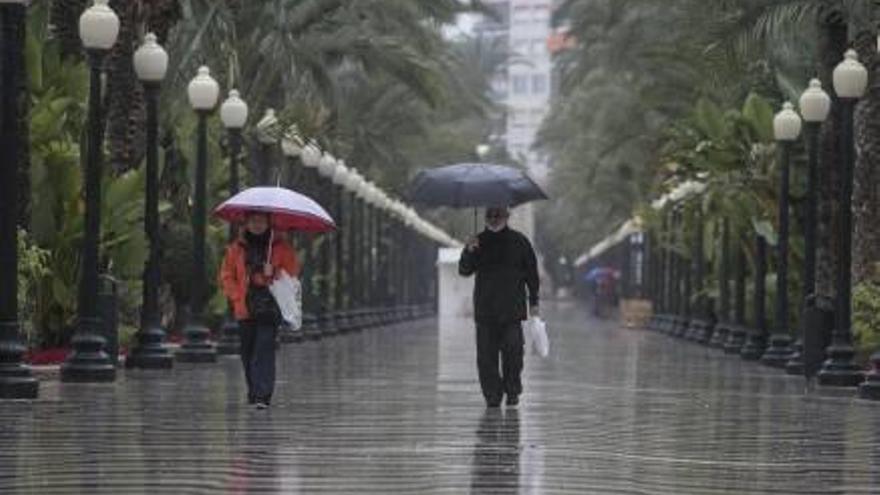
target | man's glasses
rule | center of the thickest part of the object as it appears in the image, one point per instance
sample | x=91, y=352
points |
x=493, y=216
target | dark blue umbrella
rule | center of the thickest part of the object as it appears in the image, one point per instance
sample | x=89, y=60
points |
x=473, y=185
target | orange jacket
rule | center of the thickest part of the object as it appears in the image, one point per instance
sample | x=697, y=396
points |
x=234, y=278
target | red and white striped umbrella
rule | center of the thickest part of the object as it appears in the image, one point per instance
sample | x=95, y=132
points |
x=289, y=210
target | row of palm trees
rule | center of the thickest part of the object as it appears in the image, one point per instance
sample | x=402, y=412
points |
x=658, y=93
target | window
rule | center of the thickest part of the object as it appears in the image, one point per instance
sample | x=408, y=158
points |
x=539, y=84
x=520, y=84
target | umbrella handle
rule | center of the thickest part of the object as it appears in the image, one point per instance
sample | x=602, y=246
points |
x=271, y=242
x=476, y=222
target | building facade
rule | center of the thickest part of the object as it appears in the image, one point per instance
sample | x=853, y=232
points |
x=524, y=88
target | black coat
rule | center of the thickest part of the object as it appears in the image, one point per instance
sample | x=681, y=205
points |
x=505, y=265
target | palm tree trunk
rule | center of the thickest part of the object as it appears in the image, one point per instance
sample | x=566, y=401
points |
x=866, y=198
x=126, y=107
x=833, y=41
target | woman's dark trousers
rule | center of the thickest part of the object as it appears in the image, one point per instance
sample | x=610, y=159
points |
x=258, y=359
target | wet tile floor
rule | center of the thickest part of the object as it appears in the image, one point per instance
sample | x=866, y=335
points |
x=398, y=410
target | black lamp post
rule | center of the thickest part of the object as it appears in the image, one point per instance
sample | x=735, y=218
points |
x=233, y=114
x=786, y=128
x=350, y=238
x=89, y=362
x=151, y=64
x=757, y=341
x=341, y=214
x=16, y=380
x=374, y=198
x=326, y=170
x=203, y=92
x=737, y=335
x=850, y=82
x=815, y=105
x=312, y=301
x=722, y=327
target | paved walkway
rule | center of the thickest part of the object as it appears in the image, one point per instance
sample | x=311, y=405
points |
x=397, y=410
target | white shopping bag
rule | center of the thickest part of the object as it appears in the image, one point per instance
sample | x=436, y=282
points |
x=287, y=292
x=535, y=331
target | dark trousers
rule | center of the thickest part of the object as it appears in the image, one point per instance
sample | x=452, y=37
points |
x=258, y=359
x=504, y=340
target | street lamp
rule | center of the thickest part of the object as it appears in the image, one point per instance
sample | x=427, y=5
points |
x=234, y=115
x=203, y=92
x=311, y=159
x=850, y=82
x=151, y=64
x=88, y=362
x=16, y=380
x=375, y=200
x=355, y=237
x=786, y=129
x=326, y=169
x=384, y=256
x=815, y=106
x=340, y=176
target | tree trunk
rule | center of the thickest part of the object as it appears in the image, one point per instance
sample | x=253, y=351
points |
x=126, y=107
x=866, y=197
x=832, y=44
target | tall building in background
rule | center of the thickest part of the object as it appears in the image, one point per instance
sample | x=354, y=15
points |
x=524, y=88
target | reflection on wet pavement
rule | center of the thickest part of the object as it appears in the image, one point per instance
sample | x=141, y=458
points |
x=398, y=410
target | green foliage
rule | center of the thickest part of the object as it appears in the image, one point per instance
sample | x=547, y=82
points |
x=866, y=316
x=33, y=266
x=58, y=93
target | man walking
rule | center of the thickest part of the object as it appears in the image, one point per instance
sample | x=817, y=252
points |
x=505, y=266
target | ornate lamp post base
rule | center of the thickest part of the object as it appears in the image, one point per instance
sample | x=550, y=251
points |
x=754, y=347
x=736, y=339
x=150, y=353
x=839, y=370
x=88, y=362
x=779, y=351
x=719, y=337
x=795, y=364
x=197, y=348
x=229, y=344
x=16, y=380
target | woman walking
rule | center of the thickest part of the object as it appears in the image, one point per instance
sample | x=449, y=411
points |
x=251, y=263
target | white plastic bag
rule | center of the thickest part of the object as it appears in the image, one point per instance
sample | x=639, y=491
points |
x=287, y=292
x=536, y=332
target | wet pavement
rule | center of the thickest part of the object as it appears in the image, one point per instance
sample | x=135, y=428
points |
x=398, y=410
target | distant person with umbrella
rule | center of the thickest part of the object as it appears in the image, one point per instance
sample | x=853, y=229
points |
x=505, y=265
x=253, y=262
x=603, y=281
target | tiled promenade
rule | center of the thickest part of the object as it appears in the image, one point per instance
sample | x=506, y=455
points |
x=397, y=410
